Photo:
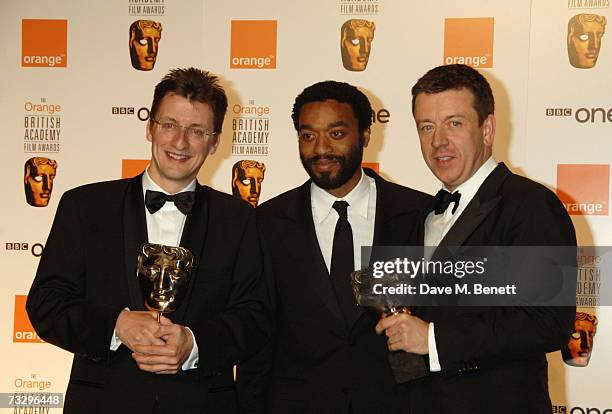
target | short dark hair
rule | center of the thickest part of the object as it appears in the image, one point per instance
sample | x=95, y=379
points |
x=195, y=85
x=444, y=78
x=338, y=91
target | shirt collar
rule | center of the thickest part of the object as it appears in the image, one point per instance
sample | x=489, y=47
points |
x=149, y=184
x=357, y=198
x=469, y=188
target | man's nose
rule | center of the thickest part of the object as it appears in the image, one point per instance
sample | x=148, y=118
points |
x=321, y=146
x=439, y=138
x=181, y=141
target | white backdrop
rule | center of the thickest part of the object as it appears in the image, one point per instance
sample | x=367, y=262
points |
x=530, y=74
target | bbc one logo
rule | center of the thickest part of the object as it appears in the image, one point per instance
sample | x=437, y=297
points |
x=44, y=43
x=582, y=115
x=253, y=44
x=562, y=409
x=469, y=41
x=584, y=189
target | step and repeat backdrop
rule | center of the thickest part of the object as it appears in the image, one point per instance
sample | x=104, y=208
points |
x=77, y=81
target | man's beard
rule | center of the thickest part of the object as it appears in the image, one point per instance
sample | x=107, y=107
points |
x=348, y=167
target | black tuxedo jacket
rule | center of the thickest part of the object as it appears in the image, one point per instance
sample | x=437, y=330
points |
x=493, y=359
x=87, y=275
x=317, y=364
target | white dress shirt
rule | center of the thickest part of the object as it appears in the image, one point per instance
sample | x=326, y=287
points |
x=361, y=215
x=436, y=227
x=165, y=227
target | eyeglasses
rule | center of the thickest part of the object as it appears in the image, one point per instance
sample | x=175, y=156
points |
x=172, y=129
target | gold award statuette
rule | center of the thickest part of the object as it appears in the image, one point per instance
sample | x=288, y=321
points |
x=405, y=365
x=163, y=273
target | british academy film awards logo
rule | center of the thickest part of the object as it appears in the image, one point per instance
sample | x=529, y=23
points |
x=253, y=44
x=356, y=37
x=44, y=43
x=469, y=41
x=584, y=38
x=584, y=189
x=588, y=4
x=359, y=7
x=42, y=127
x=588, y=282
x=250, y=129
x=247, y=179
x=144, y=43
x=146, y=7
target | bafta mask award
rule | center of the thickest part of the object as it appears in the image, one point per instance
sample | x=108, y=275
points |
x=163, y=273
x=405, y=366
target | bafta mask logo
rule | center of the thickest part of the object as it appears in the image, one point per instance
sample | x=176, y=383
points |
x=247, y=176
x=584, y=33
x=578, y=350
x=356, y=37
x=164, y=273
x=39, y=173
x=144, y=42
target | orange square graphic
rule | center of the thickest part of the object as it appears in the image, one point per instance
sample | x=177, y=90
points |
x=469, y=41
x=131, y=168
x=584, y=189
x=44, y=43
x=22, y=328
x=253, y=44
x=372, y=165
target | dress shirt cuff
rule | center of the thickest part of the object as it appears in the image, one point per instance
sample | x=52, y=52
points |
x=115, y=341
x=192, y=361
x=434, y=362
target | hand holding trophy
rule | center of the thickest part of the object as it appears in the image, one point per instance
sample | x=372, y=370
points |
x=164, y=273
x=405, y=366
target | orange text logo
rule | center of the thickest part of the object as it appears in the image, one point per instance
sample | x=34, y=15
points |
x=372, y=165
x=584, y=189
x=22, y=328
x=131, y=168
x=44, y=43
x=469, y=41
x=253, y=44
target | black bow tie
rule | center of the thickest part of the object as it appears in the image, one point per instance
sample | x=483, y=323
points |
x=154, y=200
x=443, y=200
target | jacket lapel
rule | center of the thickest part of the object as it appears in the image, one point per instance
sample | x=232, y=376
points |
x=485, y=200
x=134, y=235
x=318, y=276
x=193, y=239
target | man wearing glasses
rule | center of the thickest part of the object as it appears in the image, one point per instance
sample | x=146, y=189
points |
x=86, y=296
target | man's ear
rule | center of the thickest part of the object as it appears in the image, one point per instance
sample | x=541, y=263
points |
x=215, y=145
x=366, y=137
x=488, y=130
x=149, y=135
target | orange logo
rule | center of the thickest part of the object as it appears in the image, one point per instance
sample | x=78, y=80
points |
x=44, y=43
x=22, y=328
x=584, y=189
x=131, y=168
x=469, y=41
x=372, y=165
x=253, y=44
